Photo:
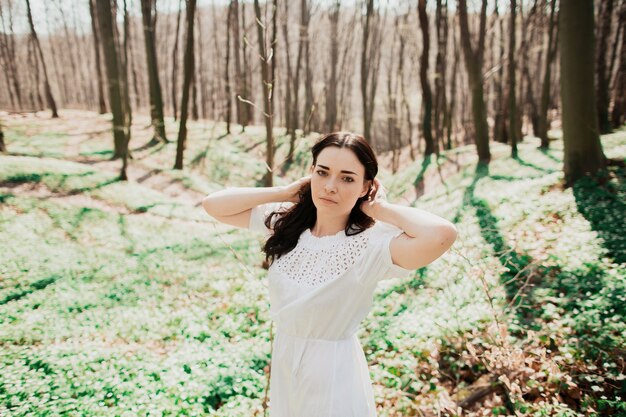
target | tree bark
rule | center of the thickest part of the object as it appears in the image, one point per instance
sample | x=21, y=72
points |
x=174, y=82
x=545, y=88
x=188, y=74
x=370, y=59
x=512, y=99
x=148, y=13
x=267, y=93
x=242, y=108
x=499, y=126
x=96, y=47
x=427, y=98
x=48, y=90
x=582, y=147
x=128, y=115
x=602, y=77
x=229, y=101
x=618, y=115
x=474, y=64
x=441, y=19
x=331, y=85
x=105, y=23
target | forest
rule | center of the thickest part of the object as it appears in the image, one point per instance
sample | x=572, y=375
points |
x=119, y=295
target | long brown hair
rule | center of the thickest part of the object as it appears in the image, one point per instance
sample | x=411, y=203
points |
x=290, y=224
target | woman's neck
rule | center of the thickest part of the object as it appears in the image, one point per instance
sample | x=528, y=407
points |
x=329, y=226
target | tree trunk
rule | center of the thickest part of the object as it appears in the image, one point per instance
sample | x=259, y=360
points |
x=309, y=107
x=267, y=94
x=48, y=90
x=602, y=77
x=128, y=115
x=246, y=76
x=370, y=59
x=288, y=88
x=3, y=148
x=582, y=147
x=331, y=85
x=8, y=47
x=474, y=64
x=441, y=19
x=229, y=102
x=148, y=13
x=241, y=91
x=188, y=75
x=545, y=88
x=512, y=99
x=105, y=23
x=427, y=98
x=499, y=127
x=174, y=83
x=618, y=115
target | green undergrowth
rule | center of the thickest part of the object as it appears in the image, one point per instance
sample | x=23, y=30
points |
x=119, y=299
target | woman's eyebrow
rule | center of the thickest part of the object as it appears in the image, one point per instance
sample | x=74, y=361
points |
x=343, y=170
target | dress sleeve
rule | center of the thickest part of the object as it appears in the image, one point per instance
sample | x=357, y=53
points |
x=259, y=213
x=379, y=261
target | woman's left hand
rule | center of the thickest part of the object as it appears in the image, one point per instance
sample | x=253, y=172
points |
x=377, y=196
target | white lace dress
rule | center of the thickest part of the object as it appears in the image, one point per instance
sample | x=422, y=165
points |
x=319, y=293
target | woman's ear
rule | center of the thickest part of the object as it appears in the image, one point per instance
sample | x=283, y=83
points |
x=366, y=188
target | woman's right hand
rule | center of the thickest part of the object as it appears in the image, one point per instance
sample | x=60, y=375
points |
x=292, y=191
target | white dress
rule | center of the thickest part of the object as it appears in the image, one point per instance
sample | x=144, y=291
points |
x=319, y=293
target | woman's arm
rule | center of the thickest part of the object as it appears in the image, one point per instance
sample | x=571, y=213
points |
x=426, y=236
x=233, y=205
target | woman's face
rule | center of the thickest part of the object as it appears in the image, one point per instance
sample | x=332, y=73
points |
x=337, y=180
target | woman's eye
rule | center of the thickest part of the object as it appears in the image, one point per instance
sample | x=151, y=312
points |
x=348, y=179
x=320, y=172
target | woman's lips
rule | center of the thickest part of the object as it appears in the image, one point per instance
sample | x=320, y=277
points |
x=326, y=199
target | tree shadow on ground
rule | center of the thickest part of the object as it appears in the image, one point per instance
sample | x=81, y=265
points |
x=521, y=271
x=418, y=182
x=584, y=301
x=533, y=166
x=602, y=201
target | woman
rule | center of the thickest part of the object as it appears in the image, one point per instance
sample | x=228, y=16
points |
x=332, y=235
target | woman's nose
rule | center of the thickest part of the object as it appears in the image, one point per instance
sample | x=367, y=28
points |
x=330, y=186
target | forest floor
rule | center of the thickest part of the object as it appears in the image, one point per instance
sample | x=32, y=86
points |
x=125, y=298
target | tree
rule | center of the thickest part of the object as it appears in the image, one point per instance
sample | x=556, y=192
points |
x=618, y=115
x=545, y=88
x=148, y=14
x=7, y=47
x=3, y=148
x=229, y=103
x=127, y=111
x=188, y=74
x=581, y=139
x=474, y=65
x=602, y=75
x=33, y=34
x=96, y=46
x=331, y=85
x=370, y=63
x=266, y=79
x=111, y=60
x=512, y=101
x=427, y=97
x=441, y=25
x=175, y=62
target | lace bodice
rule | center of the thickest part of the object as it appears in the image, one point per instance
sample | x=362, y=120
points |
x=316, y=260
